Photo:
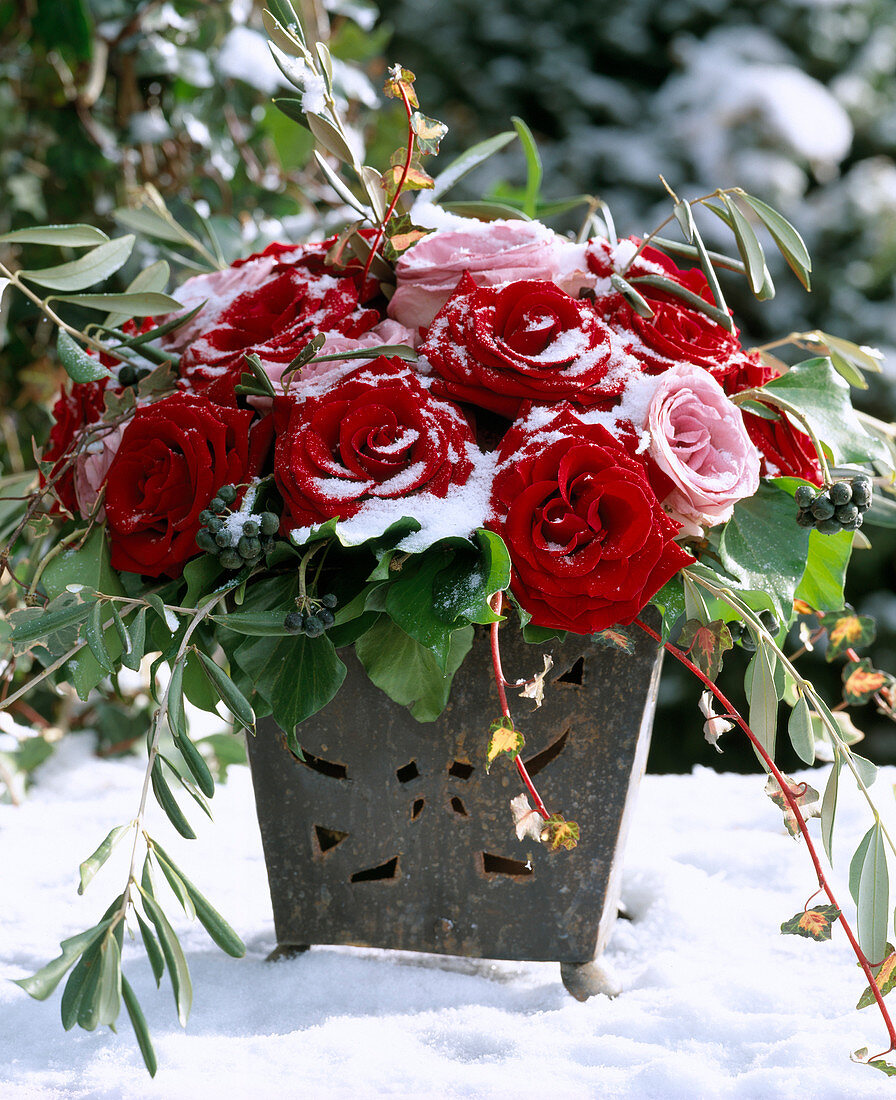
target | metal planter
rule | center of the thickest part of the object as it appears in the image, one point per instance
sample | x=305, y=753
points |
x=391, y=834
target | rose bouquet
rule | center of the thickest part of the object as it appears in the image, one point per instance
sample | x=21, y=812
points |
x=439, y=418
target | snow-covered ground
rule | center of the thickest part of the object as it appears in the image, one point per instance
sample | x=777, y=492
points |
x=716, y=1002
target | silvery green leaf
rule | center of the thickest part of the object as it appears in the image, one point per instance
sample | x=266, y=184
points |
x=748, y=245
x=790, y=243
x=92, y=864
x=79, y=366
x=141, y=304
x=93, y=267
x=468, y=160
x=75, y=236
x=829, y=805
x=326, y=134
x=873, y=900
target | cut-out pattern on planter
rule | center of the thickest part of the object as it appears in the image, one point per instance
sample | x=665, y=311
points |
x=574, y=675
x=423, y=818
x=328, y=838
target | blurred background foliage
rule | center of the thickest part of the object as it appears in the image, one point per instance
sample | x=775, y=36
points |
x=795, y=100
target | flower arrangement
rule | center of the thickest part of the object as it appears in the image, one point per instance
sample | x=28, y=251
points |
x=438, y=418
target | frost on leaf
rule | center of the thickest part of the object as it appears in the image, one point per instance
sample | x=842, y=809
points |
x=847, y=630
x=715, y=724
x=884, y=979
x=705, y=643
x=534, y=689
x=861, y=681
x=527, y=822
x=503, y=738
x=814, y=923
x=559, y=833
x=806, y=798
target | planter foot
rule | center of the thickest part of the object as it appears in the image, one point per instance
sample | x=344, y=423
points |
x=584, y=980
x=287, y=951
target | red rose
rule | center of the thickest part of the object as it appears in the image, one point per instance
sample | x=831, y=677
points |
x=589, y=542
x=376, y=434
x=274, y=321
x=74, y=411
x=785, y=451
x=529, y=341
x=605, y=259
x=173, y=457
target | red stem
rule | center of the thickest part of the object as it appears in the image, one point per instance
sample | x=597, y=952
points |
x=505, y=709
x=795, y=809
x=404, y=175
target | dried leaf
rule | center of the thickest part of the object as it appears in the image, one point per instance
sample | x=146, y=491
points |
x=715, y=725
x=884, y=979
x=614, y=638
x=526, y=821
x=534, y=688
x=398, y=80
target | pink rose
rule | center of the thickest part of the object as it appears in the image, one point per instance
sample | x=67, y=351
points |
x=492, y=252
x=91, y=467
x=698, y=440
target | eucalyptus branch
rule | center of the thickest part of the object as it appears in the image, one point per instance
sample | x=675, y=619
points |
x=654, y=232
x=803, y=685
x=155, y=733
x=50, y=314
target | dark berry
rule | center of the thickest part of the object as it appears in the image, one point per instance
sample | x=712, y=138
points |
x=214, y=524
x=327, y=617
x=224, y=538
x=840, y=492
x=250, y=549
x=205, y=517
x=828, y=526
x=328, y=600
x=313, y=626
x=294, y=622
x=227, y=493
x=270, y=523
x=127, y=375
x=770, y=621
x=861, y=490
x=804, y=496
x=140, y=373
x=846, y=513
x=250, y=528
x=230, y=559
x=805, y=519
x=217, y=506
x=747, y=641
x=823, y=508
x=205, y=540
x=266, y=545
x=855, y=524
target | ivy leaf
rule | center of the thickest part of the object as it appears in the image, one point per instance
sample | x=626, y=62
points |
x=505, y=739
x=557, y=832
x=763, y=548
x=884, y=979
x=614, y=638
x=827, y=559
x=401, y=233
x=806, y=797
x=415, y=179
x=428, y=132
x=848, y=631
x=861, y=681
x=814, y=923
x=398, y=80
x=822, y=396
x=705, y=644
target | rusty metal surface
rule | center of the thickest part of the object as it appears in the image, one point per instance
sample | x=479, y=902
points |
x=392, y=835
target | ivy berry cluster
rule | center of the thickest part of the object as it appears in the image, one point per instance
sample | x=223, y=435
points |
x=839, y=507
x=237, y=538
x=315, y=618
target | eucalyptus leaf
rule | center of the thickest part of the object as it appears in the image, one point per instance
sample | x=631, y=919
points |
x=91, y=268
x=79, y=366
x=74, y=236
x=468, y=160
x=218, y=928
x=789, y=242
x=799, y=729
x=484, y=211
x=873, y=901
x=138, y=1022
x=230, y=694
x=341, y=188
x=42, y=984
x=144, y=303
x=153, y=951
x=326, y=135
x=829, y=806
x=174, y=957
x=168, y=802
x=764, y=698
x=748, y=245
x=152, y=224
x=94, y=862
